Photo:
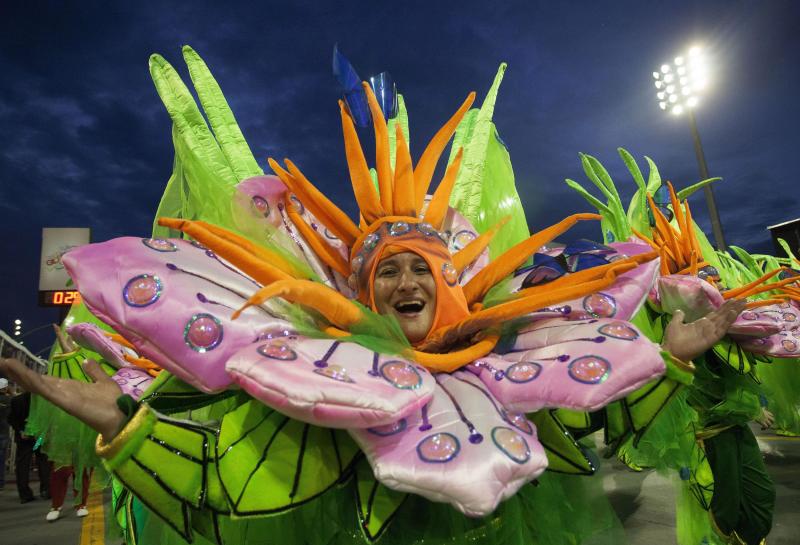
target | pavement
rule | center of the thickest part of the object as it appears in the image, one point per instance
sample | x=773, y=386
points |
x=644, y=502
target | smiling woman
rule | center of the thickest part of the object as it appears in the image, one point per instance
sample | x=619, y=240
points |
x=404, y=287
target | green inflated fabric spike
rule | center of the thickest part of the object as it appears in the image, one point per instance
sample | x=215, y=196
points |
x=484, y=191
x=686, y=192
x=402, y=119
x=732, y=354
x=220, y=117
x=268, y=463
x=170, y=395
x=376, y=504
x=564, y=455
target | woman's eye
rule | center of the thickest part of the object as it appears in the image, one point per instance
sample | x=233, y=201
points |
x=422, y=270
x=387, y=272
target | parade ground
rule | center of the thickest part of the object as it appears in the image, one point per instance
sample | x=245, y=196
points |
x=644, y=502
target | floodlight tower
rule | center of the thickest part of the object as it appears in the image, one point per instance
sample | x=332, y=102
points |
x=679, y=86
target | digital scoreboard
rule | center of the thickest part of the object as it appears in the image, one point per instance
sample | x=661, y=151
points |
x=58, y=298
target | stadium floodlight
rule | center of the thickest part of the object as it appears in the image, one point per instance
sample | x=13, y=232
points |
x=679, y=86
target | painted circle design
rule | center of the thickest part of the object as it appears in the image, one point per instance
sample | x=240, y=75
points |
x=438, y=448
x=275, y=333
x=297, y=204
x=449, y=273
x=277, y=350
x=427, y=229
x=198, y=245
x=788, y=345
x=589, y=369
x=461, y=239
x=524, y=371
x=159, y=245
x=330, y=235
x=142, y=290
x=618, y=330
x=389, y=429
x=518, y=420
x=789, y=317
x=600, y=305
x=370, y=241
x=401, y=375
x=399, y=228
x=512, y=444
x=749, y=315
x=260, y=205
x=203, y=332
x=335, y=372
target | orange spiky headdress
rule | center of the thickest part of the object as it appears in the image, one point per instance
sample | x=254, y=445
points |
x=680, y=253
x=393, y=220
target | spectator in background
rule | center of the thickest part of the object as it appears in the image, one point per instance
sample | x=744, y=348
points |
x=5, y=406
x=17, y=417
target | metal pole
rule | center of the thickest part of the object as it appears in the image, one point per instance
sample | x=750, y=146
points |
x=716, y=224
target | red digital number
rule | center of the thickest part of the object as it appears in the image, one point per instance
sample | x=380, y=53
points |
x=58, y=298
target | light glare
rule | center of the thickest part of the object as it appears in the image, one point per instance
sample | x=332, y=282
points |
x=659, y=84
x=665, y=68
x=662, y=105
x=656, y=75
x=677, y=109
x=678, y=61
x=668, y=78
x=692, y=102
x=17, y=321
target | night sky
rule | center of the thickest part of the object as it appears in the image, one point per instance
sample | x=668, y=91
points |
x=85, y=140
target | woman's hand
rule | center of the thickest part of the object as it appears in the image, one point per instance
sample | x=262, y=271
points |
x=766, y=419
x=687, y=341
x=94, y=403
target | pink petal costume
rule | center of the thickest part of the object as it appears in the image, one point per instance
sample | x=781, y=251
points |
x=274, y=324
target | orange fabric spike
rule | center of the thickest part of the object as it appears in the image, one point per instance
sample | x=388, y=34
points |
x=383, y=165
x=747, y=287
x=119, y=339
x=693, y=263
x=586, y=275
x=471, y=251
x=367, y=198
x=450, y=361
x=690, y=230
x=516, y=308
x=151, y=367
x=329, y=255
x=688, y=268
x=765, y=302
x=325, y=211
x=333, y=306
x=427, y=163
x=437, y=208
x=667, y=232
x=664, y=262
x=765, y=287
x=676, y=208
x=262, y=272
x=507, y=263
x=403, y=199
x=262, y=253
x=644, y=238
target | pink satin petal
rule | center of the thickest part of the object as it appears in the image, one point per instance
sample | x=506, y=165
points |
x=463, y=448
x=132, y=381
x=336, y=385
x=172, y=299
x=695, y=297
x=92, y=337
x=576, y=365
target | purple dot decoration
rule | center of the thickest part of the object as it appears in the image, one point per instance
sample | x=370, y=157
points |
x=600, y=305
x=518, y=420
x=589, y=369
x=277, y=350
x=203, y=332
x=399, y=228
x=619, y=330
x=159, y=245
x=511, y=444
x=524, y=371
x=788, y=345
x=401, y=375
x=461, y=239
x=260, y=205
x=335, y=372
x=389, y=429
x=449, y=273
x=142, y=290
x=438, y=448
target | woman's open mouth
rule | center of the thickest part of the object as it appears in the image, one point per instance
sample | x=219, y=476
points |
x=410, y=308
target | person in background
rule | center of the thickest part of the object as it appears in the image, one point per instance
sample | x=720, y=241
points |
x=17, y=418
x=5, y=406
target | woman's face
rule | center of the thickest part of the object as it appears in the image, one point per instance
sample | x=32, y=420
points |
x=404, y=287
